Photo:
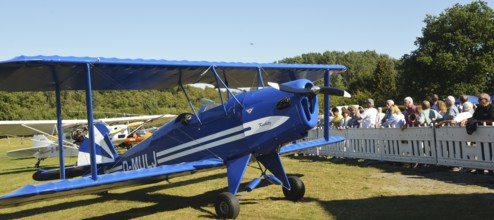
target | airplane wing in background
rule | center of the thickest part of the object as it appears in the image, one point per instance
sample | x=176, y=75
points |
x=42, y=152
x=33, y=127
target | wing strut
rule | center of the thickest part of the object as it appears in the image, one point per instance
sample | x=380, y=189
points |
x=326, y=106
x=259, y=78
x=226, y=87
x=188, y=99
x=90, y=123
x=61, y=153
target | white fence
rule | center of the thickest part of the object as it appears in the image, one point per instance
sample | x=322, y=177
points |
x=448, y=146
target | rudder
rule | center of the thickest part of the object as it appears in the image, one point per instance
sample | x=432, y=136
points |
x=104, y=149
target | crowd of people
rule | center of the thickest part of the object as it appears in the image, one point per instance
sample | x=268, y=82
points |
x=433, y=112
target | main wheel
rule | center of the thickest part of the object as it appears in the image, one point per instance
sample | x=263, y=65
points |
x=297, y=190
x=227, y=205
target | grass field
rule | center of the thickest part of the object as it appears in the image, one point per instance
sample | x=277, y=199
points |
x=335, y=189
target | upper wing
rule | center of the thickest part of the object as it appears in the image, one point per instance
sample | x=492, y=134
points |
x=63, y=188
x=24, y=127
x=39, y=73
x=309, y=144
x=32, y=127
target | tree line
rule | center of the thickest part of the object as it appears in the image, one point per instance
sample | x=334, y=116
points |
x=454, y=56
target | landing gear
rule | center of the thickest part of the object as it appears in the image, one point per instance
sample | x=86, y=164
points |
x=297, y=190
x=227, y=205
x=37, y=163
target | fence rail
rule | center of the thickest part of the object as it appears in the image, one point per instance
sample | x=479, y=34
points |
x=448, y=146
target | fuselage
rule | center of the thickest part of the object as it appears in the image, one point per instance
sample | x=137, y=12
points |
x=263, y=121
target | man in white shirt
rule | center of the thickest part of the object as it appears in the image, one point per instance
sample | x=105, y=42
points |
x=369, y=117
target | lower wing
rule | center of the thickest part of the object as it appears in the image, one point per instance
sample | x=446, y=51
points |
x=310, y=144
x=85, y=185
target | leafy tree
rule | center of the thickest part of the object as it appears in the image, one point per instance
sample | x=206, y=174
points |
x=383, y=85
x=454, y=55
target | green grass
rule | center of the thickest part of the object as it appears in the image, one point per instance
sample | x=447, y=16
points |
x=342, y=189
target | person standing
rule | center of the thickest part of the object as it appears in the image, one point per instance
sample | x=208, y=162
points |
x=410, y=110
x=452, y=110
x=484, y=113
x=433, y=102
x=389, y=103
x=428, y=115
x=369, y=116
x=396, y=120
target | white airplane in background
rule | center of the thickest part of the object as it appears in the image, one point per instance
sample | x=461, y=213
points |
x=44, y=148
x=74, y=133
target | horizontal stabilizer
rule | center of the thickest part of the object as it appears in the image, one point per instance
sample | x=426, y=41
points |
x=309, y=144
x=85, y=185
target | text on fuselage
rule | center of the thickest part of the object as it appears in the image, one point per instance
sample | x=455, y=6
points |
x=140, y=162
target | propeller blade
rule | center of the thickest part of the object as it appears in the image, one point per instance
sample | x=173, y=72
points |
x=334, y=91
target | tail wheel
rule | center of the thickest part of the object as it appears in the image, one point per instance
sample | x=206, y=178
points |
x=227, y=205
x=297, y=190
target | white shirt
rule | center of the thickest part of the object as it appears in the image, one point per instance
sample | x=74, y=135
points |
x=462, y=116
x=369, y=118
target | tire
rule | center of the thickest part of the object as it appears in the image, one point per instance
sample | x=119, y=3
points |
x=297, y=190
x=227, y=205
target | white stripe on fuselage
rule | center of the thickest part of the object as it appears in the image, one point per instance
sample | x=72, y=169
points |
x=200, y=140
x=256, y=127
x=251, y=128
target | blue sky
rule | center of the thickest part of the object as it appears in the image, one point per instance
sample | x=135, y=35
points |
x=214, y=30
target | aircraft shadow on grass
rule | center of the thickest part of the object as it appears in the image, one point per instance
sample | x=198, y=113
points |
x=162, y=202
x=440, y=173
x=443, y=206
x=460, y=206
x=18, y=170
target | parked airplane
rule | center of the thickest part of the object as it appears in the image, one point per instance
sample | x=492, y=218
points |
x=250, y=125
x=44, y=148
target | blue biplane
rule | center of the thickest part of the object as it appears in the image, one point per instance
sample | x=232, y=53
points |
x=243, y=127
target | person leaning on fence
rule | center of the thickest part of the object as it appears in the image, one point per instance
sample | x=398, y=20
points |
x=335, y=122
x=460, y=118
x=369, y=116
x=410, y=111
x=484, y=113
x=389, y=103
x=428, y=115
x=441, y=107
x=345, y=119
x=354, y=117
x=452, y=111
x=396, y=120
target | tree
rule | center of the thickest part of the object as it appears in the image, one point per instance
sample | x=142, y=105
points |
x=383, y=81
x=454, y=55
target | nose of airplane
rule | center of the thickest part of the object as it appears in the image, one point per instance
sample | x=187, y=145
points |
x=307, y=104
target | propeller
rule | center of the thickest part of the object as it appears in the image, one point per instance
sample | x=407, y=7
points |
x=313, y=90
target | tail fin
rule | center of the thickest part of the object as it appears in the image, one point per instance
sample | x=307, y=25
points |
x=40, y=140
x=105, y=151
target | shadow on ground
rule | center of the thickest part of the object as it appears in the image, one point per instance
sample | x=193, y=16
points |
x=161, y=202
x=440, y=173
x=446, y=206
